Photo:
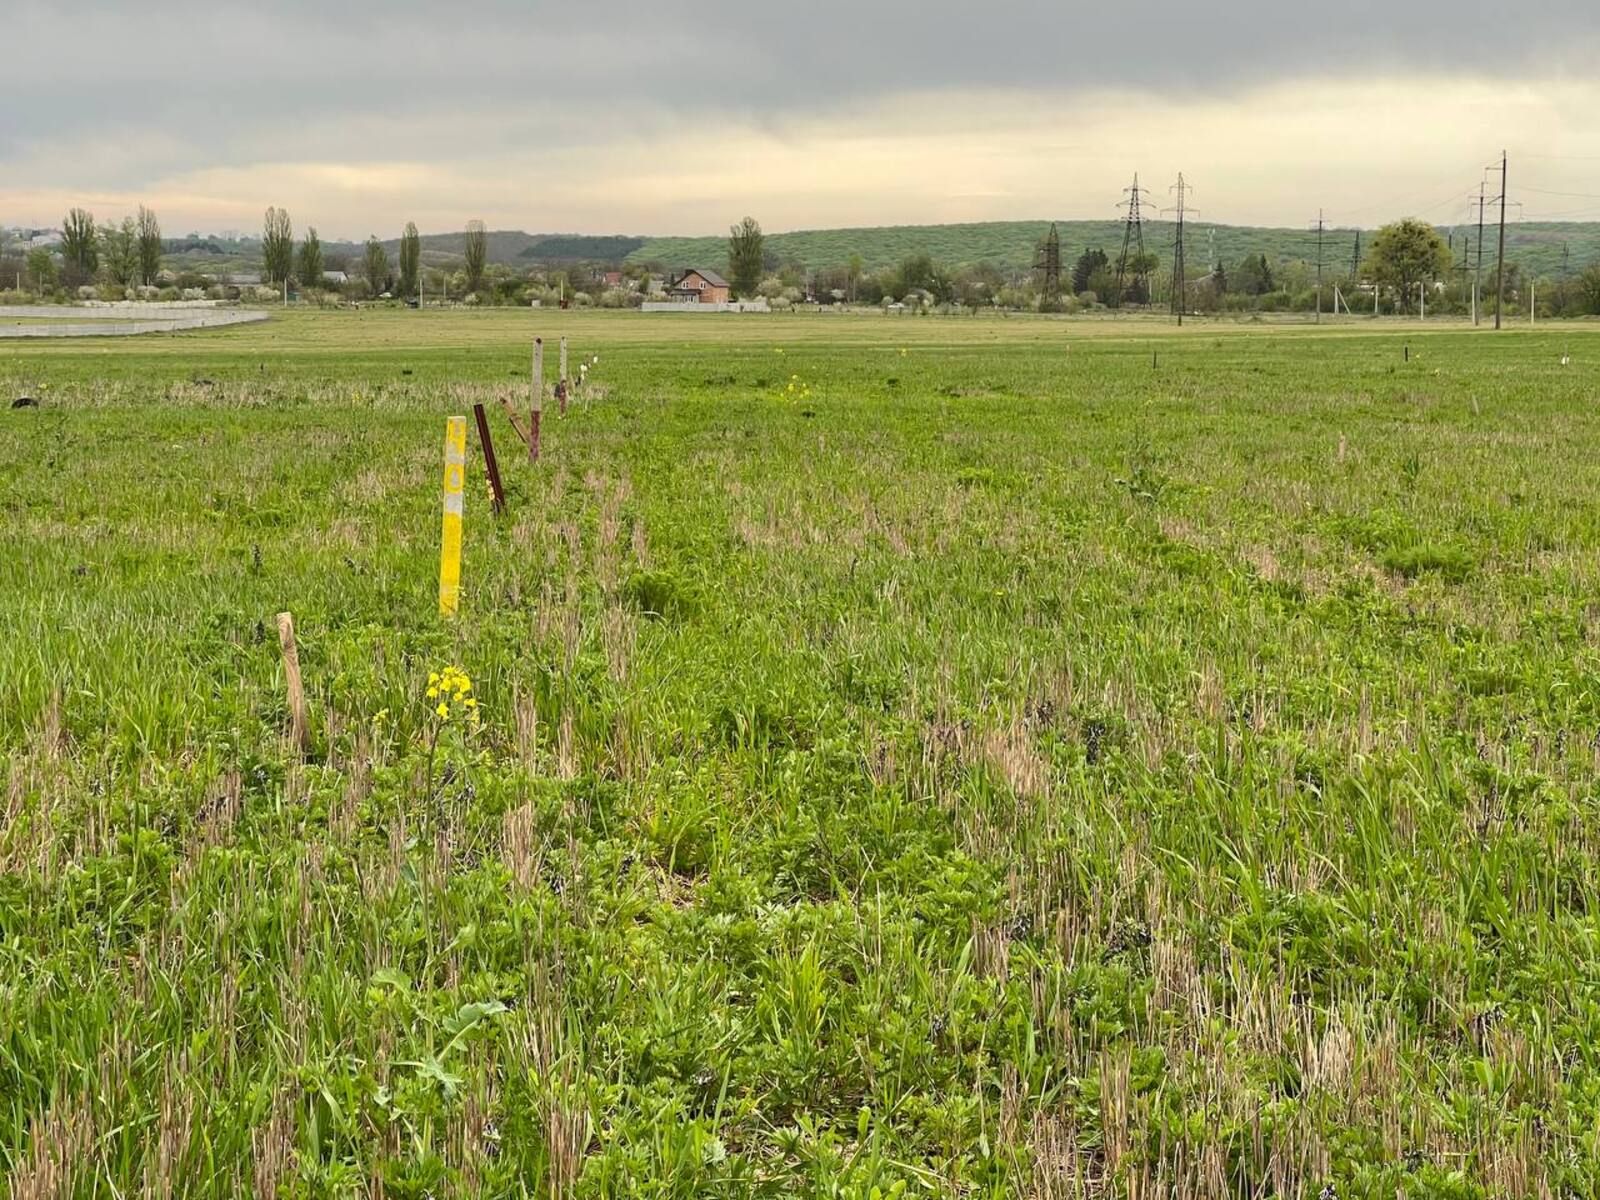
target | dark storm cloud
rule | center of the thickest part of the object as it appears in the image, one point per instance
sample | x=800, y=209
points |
x=218, y=83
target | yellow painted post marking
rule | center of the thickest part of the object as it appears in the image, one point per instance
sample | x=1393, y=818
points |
x=455, y=467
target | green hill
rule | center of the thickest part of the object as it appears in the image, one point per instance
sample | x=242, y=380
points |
x=1537, y=246
x=517, y=249
x=1544, y=248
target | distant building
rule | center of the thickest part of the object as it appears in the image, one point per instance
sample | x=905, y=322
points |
x=700, y=286
x=336, y=278
x=613, y=279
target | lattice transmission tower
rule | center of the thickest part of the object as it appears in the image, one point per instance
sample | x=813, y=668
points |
x=1134, y=285
x=1180, y=279
x=1048, y=262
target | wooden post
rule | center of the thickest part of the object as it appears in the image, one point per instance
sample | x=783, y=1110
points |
x=489, y=463
x=561, y=384
x=299, y=734
x=538, y=400
x=455, y=459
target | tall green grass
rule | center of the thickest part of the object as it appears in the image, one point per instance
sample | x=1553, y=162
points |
x=1013, y=769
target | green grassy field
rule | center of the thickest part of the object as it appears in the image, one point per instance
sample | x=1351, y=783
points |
x=943, y=757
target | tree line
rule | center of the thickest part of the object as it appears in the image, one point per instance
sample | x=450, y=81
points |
x=129, y=255
x=1404, y=262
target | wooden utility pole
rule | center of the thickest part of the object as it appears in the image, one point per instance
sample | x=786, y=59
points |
x=1319, y=269
x=1500, y=263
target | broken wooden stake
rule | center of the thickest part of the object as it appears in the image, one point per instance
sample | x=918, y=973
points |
x=561, y=382
x=538, y=400
x=299, y=734
x=489, y=463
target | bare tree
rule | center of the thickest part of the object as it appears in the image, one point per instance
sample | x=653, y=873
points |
x=80, y=246
x=477, y=254
x=309, y=270
x=149, y=246
x=410, y=259
x=277, y=245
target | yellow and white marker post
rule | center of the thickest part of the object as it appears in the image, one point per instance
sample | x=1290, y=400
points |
x=455, y=471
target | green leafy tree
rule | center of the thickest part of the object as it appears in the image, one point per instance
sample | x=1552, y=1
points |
x=149, y=246
x=1136, y=274
x=1102, y=282
x=309, y=269
x=477, y=254
x=80, y=245
x=1404, y=255
x=119, y=252
x=1088, y=263
x=277, y=245
x=1589, y=289
x=42, y=269
x=917, y=272
x=375, y=266
x=853, y=275
x=410, y=259
x=1253, y=277
x=746, y=256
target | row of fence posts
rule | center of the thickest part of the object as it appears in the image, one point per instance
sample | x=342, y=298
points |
x=455, y=445
x=455, y=471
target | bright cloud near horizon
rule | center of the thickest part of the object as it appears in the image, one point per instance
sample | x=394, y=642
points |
x=679, y=117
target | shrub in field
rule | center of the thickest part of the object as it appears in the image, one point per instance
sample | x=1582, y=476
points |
x=1451, y=563
x=657, y=594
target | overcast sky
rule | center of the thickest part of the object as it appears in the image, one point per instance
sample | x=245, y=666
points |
x=680, y=116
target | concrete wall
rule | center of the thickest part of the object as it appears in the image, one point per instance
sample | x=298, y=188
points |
x=121, y=321
x=693, y=307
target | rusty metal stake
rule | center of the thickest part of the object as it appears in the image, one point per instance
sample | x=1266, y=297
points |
x=489, y=462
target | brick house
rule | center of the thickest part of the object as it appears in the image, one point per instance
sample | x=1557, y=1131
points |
x=701, y=287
